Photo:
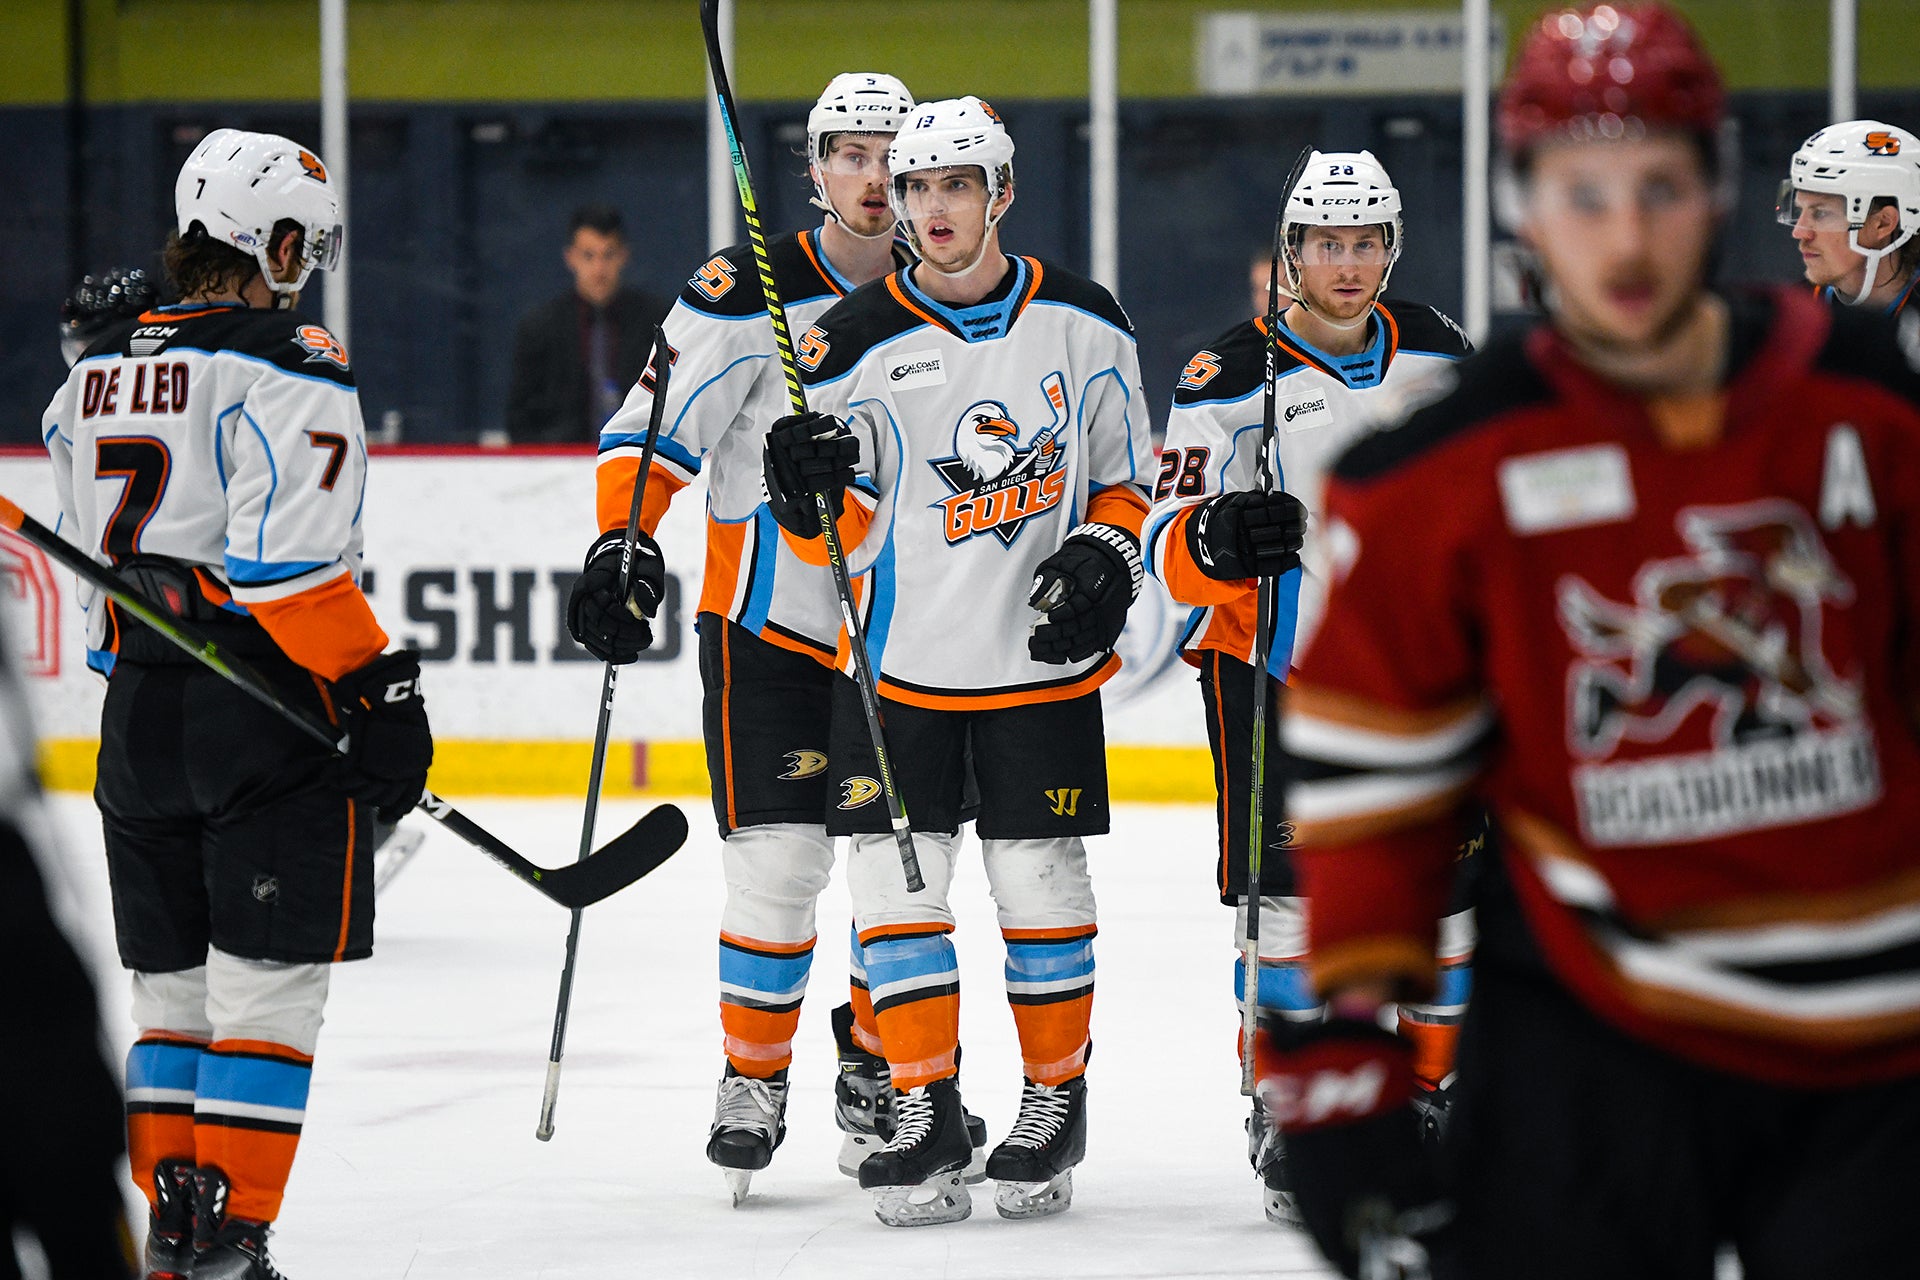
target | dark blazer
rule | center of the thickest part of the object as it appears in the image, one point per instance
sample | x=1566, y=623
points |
x=548, y=401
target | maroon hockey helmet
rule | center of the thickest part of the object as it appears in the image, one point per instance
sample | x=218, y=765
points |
x=1610, y=71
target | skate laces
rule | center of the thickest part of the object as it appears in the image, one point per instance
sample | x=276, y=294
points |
x=912, y=1118
x=747, y=1103
x=1043, y=1113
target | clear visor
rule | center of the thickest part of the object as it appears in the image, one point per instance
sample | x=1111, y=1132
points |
x=858, y=155
x=935, y=193
x=1815, y=210
x=1369, y=249
x=323, y=252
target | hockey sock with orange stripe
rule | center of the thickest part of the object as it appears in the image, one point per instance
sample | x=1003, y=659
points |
x=761, y=985
x=866, y=1028
x=250, y=1102
x=1434, y=1029
x=1050, y=986
x=915, y=982
x=162, y=1073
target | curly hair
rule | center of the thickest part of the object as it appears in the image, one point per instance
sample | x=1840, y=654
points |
x=198, y=265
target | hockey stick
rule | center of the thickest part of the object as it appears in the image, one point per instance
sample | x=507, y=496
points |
x=663, y=362
x=783, y=343
x=644, y=846
x=1262, y=649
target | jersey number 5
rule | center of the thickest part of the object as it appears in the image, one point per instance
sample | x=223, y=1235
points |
x=1183, y=472
x=143, y=464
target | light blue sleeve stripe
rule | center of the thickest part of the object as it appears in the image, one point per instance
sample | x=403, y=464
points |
x=260, y=572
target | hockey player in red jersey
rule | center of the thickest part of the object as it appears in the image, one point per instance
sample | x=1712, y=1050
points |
x=1852, y=197
x=1343, y=358
x=988, y=480
x=1696, y=1011
x=213, y=452
x=767, y=623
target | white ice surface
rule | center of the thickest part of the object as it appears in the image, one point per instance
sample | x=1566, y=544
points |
x=419, y=1160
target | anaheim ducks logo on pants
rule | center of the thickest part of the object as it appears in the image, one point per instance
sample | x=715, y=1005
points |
x=997, y=485
x=857, y=791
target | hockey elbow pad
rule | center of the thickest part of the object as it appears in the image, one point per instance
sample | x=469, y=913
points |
x=1247, y=535
x=389, y=744
x=608, y=626
x=1084, y=589
x=808, y=454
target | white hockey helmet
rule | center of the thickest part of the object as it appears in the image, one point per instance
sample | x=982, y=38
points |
x=1340, y=189
x=857, y=102
x=236, y=185
x=952, y=133
x=1860, y=161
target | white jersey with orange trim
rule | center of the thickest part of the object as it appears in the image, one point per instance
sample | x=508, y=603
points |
x=725, y=390
x=987, y=433
x=229, y=440
x=1322, y=404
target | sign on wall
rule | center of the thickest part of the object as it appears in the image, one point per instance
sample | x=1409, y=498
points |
x=1417, y=51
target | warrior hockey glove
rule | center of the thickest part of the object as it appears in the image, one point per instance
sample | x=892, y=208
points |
x=1342, y=1093
x=1247, y=535
x=1084, y=588
x=808, y=453
x=610, y=628
x=389, y=744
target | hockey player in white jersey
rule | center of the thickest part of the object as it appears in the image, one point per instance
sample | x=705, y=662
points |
x=213, y=452
x=1344, y=357
x=1852, y=197
x=767, y=621
x=979, y=430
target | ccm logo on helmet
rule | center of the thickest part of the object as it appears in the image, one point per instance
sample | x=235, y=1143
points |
x=1882, y=143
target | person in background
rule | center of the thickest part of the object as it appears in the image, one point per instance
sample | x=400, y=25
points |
x=1852, y=197
x=576, y=357
x=98, y=303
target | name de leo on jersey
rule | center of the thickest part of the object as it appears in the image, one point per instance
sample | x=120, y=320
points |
x=164, y=392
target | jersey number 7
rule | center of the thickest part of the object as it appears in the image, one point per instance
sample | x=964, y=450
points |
x=143, y=464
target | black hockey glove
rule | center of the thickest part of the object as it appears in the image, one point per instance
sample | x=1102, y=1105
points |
x=608, y=627
x=1359, y=1168
x=1247, y=535
x=808, y=453
x=389, y=744
x=1084, y=588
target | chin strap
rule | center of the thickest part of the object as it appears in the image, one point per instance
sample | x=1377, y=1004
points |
x=1868, y=277
x=820, y=202
x=986, y=238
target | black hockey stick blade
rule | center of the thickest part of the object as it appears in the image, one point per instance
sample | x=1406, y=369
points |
x=627, y=857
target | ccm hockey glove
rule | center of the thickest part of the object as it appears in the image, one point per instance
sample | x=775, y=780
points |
x=808, y=453
x=1341, y=1092
x=607, y=626
x=389, y=744
x=1084, y=588
x=1247, y=535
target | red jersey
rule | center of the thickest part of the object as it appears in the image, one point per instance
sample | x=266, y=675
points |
x=1683, y=681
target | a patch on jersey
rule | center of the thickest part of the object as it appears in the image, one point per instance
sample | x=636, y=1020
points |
x=714, y=280
x=804, y=763
x=812, y=349
x=1567, y=489
x=1306, y=412
x=998, y=486
x=1707, y=705
x=314, y=169
x=857, y=791
x=320, y=345
x=1882, y=143
x=917, y=369
x=1200, y=370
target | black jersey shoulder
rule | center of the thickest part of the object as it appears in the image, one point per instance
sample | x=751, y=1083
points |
x=285, y=339
x=1428, y=330
x=1233, y=366
x=1497, y=380
x=853, y=326
x=727, y=284
x=1067, y=288
x=1869, y=346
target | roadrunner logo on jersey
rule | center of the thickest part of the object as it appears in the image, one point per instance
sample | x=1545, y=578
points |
x=804, y=763
x=857, y=791
x=1718, y=664
x=998, y=486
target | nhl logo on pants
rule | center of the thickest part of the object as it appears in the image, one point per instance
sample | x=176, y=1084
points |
x=266, y=888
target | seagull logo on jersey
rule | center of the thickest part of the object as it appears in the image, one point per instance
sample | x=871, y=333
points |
x=997, y=485
x=857, y=791
x=804, y=764
x=320, y=345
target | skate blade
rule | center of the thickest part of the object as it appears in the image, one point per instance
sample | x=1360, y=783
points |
x=739, y=1181
x=976, y=1170
x=941, y=1198
x=1019, y=1200
x=855, y=1147
x=392, y=857
x=1281, y=1209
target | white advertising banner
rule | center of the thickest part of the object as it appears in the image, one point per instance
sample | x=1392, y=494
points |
x=1416, y=51
x=470, y=558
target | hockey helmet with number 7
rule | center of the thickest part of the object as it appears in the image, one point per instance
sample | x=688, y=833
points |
x=236, y=185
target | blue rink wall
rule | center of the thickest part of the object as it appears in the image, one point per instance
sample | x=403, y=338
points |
x=458, y=211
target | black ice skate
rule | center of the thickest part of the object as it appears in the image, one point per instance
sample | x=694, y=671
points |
x=917, y=1179
x=749, y=1121
x=226, y=1248
x=1034, y=1165
x=1267, y=1153
x=170, y=1226
x=863, y=1104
